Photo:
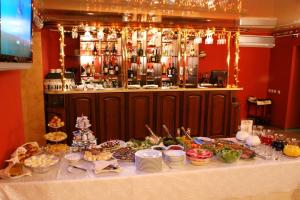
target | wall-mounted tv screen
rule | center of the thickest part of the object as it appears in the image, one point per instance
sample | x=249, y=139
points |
x=15, y=34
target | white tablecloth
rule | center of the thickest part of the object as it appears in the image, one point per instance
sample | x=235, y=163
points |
x=254, y=179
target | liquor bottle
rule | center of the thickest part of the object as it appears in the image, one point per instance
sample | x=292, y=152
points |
x=134, y=56
x=169, y=71
x=95, y=51
x=153, y=56
x=111, y=70
x=140, y=50
x=157, y=57
x=105, y=69
x=93, y=69
x=106, y=49
x=116, y=69
x=173, y=70
x=130, y=73
x=114, y=49
x=164, y=70
x=88, y=69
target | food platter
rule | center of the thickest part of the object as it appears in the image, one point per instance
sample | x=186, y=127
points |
x=97, y=154
x=112, y=145
x=57, y=136
x=124, y=154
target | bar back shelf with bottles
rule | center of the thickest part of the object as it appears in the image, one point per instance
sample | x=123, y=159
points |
x=152, y=57
x=101, y=61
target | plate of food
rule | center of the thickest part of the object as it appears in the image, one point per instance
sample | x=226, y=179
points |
x=25, y=151
x=139, y=144
x=41, y=163
x=96, y=154
x=124, y=154
x=112, y=145
x=57, y=136
x=57, y=148
x=198, y=156
x=14, y=171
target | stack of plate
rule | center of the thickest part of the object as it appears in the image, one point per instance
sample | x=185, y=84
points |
x=175, y=156
x=148, y=160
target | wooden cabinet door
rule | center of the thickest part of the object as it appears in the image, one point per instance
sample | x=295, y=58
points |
x=194, y=109
x=218, y=113
x=111, y=112
x=140, y=112
x=82, y=104
x=167, y=112
x=235, y=118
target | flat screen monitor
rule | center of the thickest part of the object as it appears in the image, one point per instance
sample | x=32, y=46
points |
x=15, y=34
x=218, y=78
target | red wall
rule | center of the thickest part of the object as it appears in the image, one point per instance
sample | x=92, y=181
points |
x=253, y=64
x=254, y=75
x=284, y=77
x=11, y=119
x=50, y=50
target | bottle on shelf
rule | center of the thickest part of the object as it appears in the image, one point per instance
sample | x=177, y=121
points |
x=164, y=70
x=93, y=69
x=169, y=71
x=130, y=73
x=140, y=50
x=153, y=56
x=95, y=51
x=133, y=56
x=114, y=49
x=157, y=57
x=111, y=70
x=105, y=68
x=173, y=70
x=117, y=68
x=88, y=69
x=106, y=49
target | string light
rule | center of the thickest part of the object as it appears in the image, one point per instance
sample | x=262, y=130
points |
x=75, y=32
x=209, y=36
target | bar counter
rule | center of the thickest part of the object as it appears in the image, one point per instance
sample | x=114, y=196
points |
x=244, y=180
x=123, y=113
x=142, y=90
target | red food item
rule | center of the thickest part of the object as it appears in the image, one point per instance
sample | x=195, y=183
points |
x=175, y=148
x=199, y=153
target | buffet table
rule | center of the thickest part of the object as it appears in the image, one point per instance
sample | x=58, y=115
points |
x=253, y=179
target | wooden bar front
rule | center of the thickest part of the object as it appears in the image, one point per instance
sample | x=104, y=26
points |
x=122, y=113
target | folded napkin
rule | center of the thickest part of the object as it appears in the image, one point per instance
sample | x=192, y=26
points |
x=102, y=166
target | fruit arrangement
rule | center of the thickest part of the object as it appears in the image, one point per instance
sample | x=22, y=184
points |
x=56, y=122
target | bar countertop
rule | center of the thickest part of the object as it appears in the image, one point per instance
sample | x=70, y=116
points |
x=107, y=90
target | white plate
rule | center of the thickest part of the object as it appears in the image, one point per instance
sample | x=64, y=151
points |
x=148, y=153
x=73, y=157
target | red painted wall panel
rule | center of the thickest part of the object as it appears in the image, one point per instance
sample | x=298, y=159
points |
x=254, y=75
x=50, y=50
x=11, y=118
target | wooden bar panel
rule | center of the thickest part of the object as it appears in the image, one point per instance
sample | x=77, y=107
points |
x=140, y=112
x=111, y=121
x=194, y=112
x=168, y=112
x=218, y=114
x=82, y=104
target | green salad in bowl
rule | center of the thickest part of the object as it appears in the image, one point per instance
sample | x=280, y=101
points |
x=229, y=155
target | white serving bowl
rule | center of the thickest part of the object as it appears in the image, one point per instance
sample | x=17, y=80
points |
x=174, y=155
